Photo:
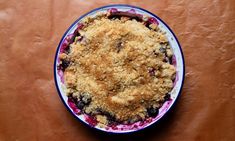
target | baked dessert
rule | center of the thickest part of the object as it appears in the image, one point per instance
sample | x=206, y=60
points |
x=117, y=67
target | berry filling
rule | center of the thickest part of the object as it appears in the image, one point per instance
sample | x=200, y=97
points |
x=152, y=112
x=64, y=64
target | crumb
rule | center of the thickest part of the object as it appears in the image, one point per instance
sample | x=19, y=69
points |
x=112, y=64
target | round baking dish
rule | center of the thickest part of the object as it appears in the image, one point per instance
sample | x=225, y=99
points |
x=177, y=59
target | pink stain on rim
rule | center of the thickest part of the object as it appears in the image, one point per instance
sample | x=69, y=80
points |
x=152, y=20
x=111, y=10
x=90, y=120
x=80, y=26
x=176, y=78
x=174, y=61
x=131, y=11
x=73, y=106
x=61, y=75
x=66, y=43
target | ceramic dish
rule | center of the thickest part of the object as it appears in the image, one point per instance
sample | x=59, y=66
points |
x=176, y=60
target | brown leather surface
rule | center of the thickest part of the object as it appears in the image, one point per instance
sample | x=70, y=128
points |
x=31, y=110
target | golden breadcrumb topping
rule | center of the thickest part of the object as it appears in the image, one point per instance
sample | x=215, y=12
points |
x=119, y=65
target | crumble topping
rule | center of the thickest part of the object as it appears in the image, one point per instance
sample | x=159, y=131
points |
x=118, y=69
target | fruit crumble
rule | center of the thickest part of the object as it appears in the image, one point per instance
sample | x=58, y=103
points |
x=117, y=67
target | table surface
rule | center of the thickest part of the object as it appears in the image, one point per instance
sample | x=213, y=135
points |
x=31, y=110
